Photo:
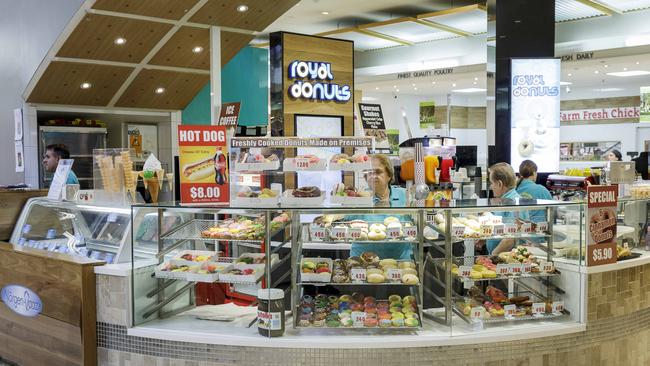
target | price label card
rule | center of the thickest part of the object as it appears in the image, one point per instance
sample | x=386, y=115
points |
x=510, y=311
x=486, y=230
x=358, y=318
x=558, y=307
x=527, y=268
x=393, y=232
x=354, y=233
x=464, y=271
x=502, y=269
x=340, y=233
x=515, y=268
x=477, y=312
x=511, y=229
x=484, y=220
x=458, y=230
x=394, y=274
x=498, y=230
x=548, y=267
x=542, y=227
x=603, y=253
x=358, y=275
x=318, y=233
x=411, y=232
x=538, y=309
x=301, y=163
x=527, y=228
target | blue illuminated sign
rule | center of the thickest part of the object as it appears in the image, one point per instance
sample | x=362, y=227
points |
x=21, y=300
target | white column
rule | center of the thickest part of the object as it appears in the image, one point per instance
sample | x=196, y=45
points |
x=215, y=73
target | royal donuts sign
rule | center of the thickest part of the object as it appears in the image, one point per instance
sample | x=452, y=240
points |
x=601, y=225
x=313, y=80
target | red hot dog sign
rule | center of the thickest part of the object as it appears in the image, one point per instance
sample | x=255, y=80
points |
x=203, y=164
x=601, y=226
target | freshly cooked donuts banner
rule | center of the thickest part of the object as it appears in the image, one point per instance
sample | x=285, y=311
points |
x=203, y=162
x=601, y=224
x=535, y=113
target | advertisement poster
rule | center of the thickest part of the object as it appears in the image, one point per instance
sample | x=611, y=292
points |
x=229, y=114
x=535, y=113
x=427, y=115
x=19, y=157
x=645, y=104
x=143, y=139
x=203, y=158
x=372, y=120
x=393, y=140
x=601, y=224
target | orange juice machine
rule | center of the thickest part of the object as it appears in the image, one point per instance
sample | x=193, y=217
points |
x=439, y=163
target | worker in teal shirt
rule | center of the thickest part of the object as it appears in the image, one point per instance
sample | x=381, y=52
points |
x=54, y=153
x=529, y=190
x=379, y=179
x=502, y=183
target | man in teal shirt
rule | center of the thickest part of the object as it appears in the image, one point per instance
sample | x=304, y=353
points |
x=54, y=153
x=529, y=190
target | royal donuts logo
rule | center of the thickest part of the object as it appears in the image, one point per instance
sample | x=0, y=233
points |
x=532, y=86
x=21, y=300
x=318, y=85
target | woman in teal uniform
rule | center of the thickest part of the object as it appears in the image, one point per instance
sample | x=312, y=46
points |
x=379, y=179
x=529, y=190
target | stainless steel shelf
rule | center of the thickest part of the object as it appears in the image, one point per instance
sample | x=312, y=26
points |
x=509, y=277
x=355, y=284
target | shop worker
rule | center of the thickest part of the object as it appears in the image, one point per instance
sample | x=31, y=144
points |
x=54, y=153
x=614, y=155
x=528, y=188
x=503, y=183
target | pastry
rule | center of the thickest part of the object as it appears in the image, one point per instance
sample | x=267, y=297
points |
x=390, y=219
x=375, y=278
x=525, y=148
x=384, y=323
x=410, y=279
x=406, y=264
x=370, y=257
x=411, y=271
x=388, y=262
x=394, y=298
x=411, y=322
x=304, y=192
x=370, y=322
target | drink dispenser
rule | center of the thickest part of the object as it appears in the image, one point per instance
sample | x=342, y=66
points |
x=439, y=153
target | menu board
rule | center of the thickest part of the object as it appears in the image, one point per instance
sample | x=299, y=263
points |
x=372, y=120
x=601, y=224
x=229, y=114
x=203, y=159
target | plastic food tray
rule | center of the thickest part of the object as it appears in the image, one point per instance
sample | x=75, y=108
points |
x=316, y=277
x=289, y=165
x=257, y=167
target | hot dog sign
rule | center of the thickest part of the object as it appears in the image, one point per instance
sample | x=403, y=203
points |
x=203, y=161
x=601, y=224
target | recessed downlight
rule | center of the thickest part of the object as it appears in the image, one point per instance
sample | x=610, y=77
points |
x=242, y=8
x=120, y=41
x=160, y=90
x=596, y=72
x=85, y=85
x=197, y=49
x=325, y=12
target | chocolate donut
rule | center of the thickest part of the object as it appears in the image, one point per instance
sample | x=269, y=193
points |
x=307, y=192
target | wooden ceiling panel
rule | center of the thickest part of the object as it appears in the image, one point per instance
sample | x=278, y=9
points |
x=260, y=14
x=180, y=88
x=231, y=43
x=178, y=50
x=167, y=9
x=61, y=84
x=94, y=38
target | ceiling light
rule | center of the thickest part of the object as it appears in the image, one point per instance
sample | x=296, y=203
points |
x=475, y=79
x=415, y=88
x=639, y=40
x=160, y=90
x=394, y=86
x=397, y=90
x=120, y=41
x=595, y=71
x=603, y=90
x=475, y=83
x=629, y=73
x=325, y=12
x=376, y=88
x=605, y=65
x=625, y=69
x=566, y=83
x=242, y=8
x=569, y=74
x=85, y=85
x=454, y=85
x=197, y=49
x=433, y=82
x=568, y=90
x=469, y=90
x=637, y=62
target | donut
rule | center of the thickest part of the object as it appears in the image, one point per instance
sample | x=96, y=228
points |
x=307, y=192
x=370, y=322
x=370, y=257
x=525, y=148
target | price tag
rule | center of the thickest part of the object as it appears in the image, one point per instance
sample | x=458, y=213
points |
x=515, y=268
x=498, y=229
x=510, y=311
x=558, y=307
x=354, y=233
x=511, y=229
x=458, y=230
x=548, y=267
x=358, y=318
x=477, y=312
x=527, y=268
x=410, y=232
x=542, y=227
x=112, y=217
x=464, y=271
x=394, y=274
x=539, y=308
x=393, y=232
x=496, y=220
x=358, y=275
x=339, y=233
x=484, y=220
x=502, y=269
x=205, y=192
x=301, y=163
x=603, y=253
x=317, y=233
x=527, y=228
x=486, y=230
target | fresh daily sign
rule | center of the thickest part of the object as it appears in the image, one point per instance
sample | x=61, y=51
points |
x=21, y=300
x=535, y=113
x=318, y=84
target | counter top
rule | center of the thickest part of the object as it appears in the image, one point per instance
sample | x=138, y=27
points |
x=123, y=269
x=189, y=329
x=571, y=265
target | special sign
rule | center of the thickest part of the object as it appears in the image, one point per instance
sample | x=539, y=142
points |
x=601, y=227
x=204, y=164
x=318, y=85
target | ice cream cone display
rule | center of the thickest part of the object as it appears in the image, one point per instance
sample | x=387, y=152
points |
x=127, y=170
x=160, y=173
x=170, y=180
x=154, y=188
x=134, y=178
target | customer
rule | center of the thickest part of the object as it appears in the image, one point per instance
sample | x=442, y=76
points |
x=54, y=153
x=503, y=183
x=614, y=155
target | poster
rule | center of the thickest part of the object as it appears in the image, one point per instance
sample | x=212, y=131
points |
x=18, y=124
x=393, y=140
x=229, y=114
x=143, y=139
x=427, y=115
x=645, y=104
x=601, y=224
x=20, y=157
x=372, y=120
x=203, y=158
x=535, y=113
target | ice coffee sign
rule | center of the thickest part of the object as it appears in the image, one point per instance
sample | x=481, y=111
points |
x=314, y=80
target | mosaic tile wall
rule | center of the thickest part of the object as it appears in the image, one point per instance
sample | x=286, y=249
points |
x=617, y=293
x=113, y=300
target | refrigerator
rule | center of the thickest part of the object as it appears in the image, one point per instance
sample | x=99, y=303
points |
x=81, y=141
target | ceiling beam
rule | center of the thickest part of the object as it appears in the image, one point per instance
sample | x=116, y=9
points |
x=443, y=27
x=384, y=36
x=458, y=10
x=336, y=31
x=131, y=64
x=607, y=9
